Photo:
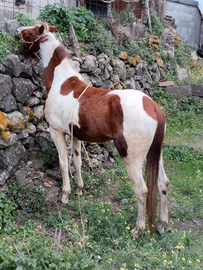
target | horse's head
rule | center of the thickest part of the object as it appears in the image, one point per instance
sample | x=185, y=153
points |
x=33, y=35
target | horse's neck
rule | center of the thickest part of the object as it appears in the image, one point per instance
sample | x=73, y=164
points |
x=48, y=49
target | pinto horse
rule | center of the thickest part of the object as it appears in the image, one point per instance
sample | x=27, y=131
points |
x=130, y=118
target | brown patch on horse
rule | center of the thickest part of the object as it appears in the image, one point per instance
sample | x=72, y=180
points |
x=150, y=107
x=59, y=54
x=75, y=85
x=100, y=114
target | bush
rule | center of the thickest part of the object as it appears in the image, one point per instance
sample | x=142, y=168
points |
x=24, y=19
x=8, y=44
x=7, y=213
x=61, y=16
x=102, y=41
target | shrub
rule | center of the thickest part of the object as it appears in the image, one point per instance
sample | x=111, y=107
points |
x=24, y=19
x=8, y=44
x=81, y=18
x=7, y=213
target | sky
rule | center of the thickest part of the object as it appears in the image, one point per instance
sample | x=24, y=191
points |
x=200, y=4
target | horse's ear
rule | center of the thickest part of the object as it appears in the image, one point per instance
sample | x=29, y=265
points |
x=53, y=28
x=41, y=29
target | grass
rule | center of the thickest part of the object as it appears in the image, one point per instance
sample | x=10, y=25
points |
x=95, y=230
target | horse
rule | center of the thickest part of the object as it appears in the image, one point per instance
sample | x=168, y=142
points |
x=129, y=117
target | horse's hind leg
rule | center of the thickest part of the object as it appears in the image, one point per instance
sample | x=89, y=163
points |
x=58, y=138
x=77, y=162
x=134, y=170
x=163, y=191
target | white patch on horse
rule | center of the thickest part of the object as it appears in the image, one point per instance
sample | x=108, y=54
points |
x=61, y=110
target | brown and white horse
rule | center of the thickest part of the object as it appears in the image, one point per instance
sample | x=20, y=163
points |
x=130, y=118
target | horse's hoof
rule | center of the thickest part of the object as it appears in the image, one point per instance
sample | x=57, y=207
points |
x=78, y=192
x=64, y=198
x=137, y=233
x=160, y=228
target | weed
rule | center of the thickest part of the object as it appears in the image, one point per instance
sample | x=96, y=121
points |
x=46, y=159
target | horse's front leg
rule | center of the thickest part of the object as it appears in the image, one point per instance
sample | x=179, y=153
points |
x=77, y=162
x=58, y=138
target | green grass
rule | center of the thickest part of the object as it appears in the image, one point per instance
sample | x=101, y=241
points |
x=95, y=231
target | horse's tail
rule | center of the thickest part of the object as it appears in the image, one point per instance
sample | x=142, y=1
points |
x=152, y=167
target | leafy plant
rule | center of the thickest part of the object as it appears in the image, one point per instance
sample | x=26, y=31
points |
x=8, y=44
x=61, y=16
x=125, y=17
x=24, y=19
x=7, y=214
x=46, y=159
x=102, y=41
x=157, y=24
x=139, y=48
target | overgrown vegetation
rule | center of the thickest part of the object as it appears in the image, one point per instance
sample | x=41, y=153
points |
x=8, y=44
x=24, y=19
x=81, y=18
x=95, y=231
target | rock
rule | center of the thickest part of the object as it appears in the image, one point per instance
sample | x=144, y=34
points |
x=130, y=71
x=21, y=178
x=18, y=121
x=9, y=103
x=4, y=175
x=23, y=134
x=47, y=145
x=7, y=138
x=90, y=64
x=5, y=122
x=6, y=86
x=130, y=84
x=28, y=142
x=86, y=79
x=35, y=155
x=15, y=67
x=23, y=89
x=10, y=26
x=10, y=157
x=52, y=194
x=181, y=73
x=32, y=101
x=195, y=89
x=177, y=91
x=31, y=128
x=38, y=113
x=119, y=68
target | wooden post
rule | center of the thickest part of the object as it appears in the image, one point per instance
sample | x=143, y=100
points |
x=148, y=15
x=74, y=40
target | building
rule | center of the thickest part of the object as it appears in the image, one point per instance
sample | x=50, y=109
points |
x=188, y=18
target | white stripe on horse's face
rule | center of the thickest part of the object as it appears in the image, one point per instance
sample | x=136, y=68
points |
x=20, y=29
